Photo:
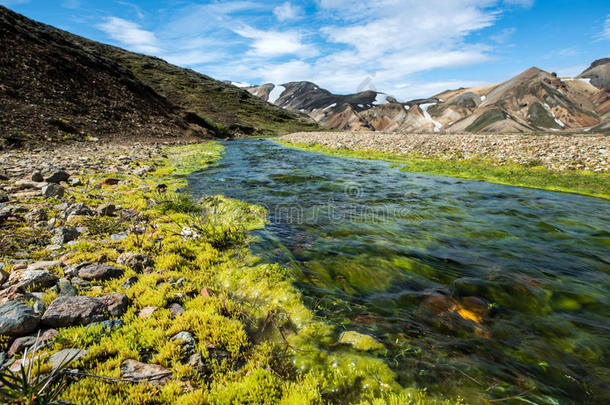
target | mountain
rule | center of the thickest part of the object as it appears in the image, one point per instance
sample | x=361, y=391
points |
x=534, y=100
x=57, y=86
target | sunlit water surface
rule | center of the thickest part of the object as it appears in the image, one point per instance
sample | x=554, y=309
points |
x=478, y=290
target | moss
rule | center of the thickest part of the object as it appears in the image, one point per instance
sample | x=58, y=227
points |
x=512, y=174
x=486, y=119
x=540, y=117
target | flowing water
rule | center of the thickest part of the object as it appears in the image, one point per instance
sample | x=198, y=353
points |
x=479, y=290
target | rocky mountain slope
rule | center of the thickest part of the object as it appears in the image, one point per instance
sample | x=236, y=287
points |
x=57, y=86
x=532, y=101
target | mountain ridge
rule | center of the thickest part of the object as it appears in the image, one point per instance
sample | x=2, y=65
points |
x=532, y=101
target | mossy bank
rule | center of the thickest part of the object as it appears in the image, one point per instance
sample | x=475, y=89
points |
x=213, y=323
x=531, y=174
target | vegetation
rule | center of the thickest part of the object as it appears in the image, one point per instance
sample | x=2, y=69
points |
x=533, y=176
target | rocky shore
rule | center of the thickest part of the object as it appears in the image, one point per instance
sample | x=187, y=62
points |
x=555, y=152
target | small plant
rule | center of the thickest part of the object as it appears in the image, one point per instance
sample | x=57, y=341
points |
x=30, y=386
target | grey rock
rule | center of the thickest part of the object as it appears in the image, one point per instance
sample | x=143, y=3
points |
x=69, y=311
x=117, y=237
x=37, y=177
x=39, y=308
x=108, y=325
x=75, y=182
x=67, y=290
x=116, y=304
x=17, y=319
x=64, y=235
x=195, y=362
x=49, y=264
x=3, y=197
x=79, y=282
x=184, y=338
x=135, y=261
x=99, y=271
x=176, y=309
x=129, y=282
x=36, y=215
x=53, y=190
x=66, y=356
x=137, y=371
x=57, y=177
x=77, y=209
x=106, y=210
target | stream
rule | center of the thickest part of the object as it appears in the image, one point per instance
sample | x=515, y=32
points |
x=477, y=289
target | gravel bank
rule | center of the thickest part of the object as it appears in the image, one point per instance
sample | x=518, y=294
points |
x=556, y=152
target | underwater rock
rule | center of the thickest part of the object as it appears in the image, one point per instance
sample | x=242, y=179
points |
x=360, y=341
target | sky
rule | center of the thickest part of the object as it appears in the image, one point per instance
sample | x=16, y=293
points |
x=405, y=48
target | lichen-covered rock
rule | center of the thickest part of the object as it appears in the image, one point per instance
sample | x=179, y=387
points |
x=17, y=319
x=360, y=341
x=69, y=311
x=137, y=371
x=99, y=272
x=135, y=261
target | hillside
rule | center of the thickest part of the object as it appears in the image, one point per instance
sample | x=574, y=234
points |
x=532, y=101
x=57, y=86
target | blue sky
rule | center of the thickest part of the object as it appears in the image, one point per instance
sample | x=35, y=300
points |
x=407, y=48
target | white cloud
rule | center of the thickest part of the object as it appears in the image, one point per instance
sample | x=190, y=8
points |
x=503, y=36
x=130, y=35
x=287, y=12
x=521, y=3
x=605, y=33
x=268, y=44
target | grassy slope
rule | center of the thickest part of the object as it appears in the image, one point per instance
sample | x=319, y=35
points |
x=226, y=105
x=581, y=182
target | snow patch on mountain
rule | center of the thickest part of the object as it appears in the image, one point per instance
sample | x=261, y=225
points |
x=241, y=84
x=553, y=114
x=380, y=99
x=276, y=93
x=424, y=108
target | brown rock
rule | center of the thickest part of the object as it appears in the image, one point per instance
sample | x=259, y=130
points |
x=137, y=371
x=98, y=271
x=68, y=311
x=116, y=304
x=147, y=311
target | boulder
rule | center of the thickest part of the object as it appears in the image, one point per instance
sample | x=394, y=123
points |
x=69, y=311
x=37, y=177
x=64, y=235
x=99, y=272
x=137, y=371
x=106, y=210
x=116, y=304
x=360, y=341
x=48, y=264
x=17, y=319
x=32, y=278
x=53, y=191
x=57, y=177
x=135, y=261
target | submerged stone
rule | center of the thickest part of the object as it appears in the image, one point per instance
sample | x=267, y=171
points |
x=360, y=341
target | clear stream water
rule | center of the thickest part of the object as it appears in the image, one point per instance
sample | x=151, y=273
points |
x=479, y=290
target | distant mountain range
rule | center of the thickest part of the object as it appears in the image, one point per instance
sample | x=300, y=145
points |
x=56, y=86
x=532, y=101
